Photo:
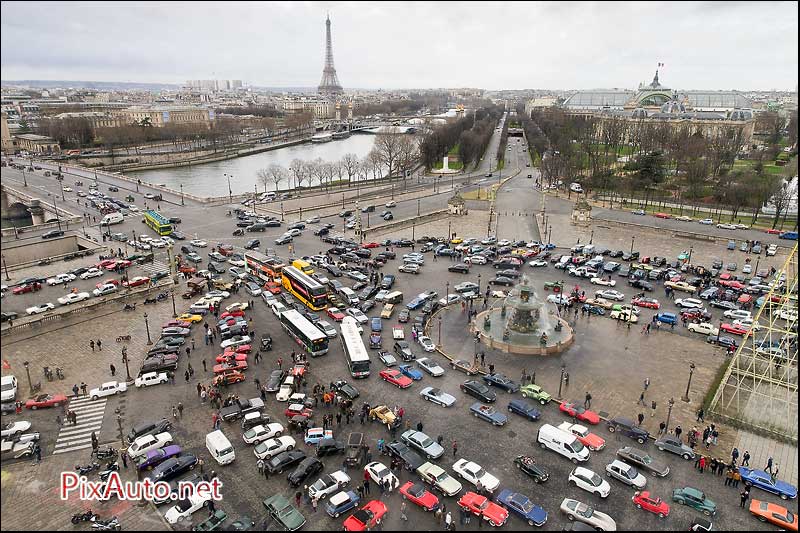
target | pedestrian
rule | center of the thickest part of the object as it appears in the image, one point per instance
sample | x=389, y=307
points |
x=714, y=435
x=678, y=431
x=483, y=358
x=587, y=402
x=743, y=496
x=174, y=412
x=314, y=504
x=774, y=475
x=204, y=366
x=729, y=477
x=641, y=399
x=113, y=369
x=640, y=417
x=661, y=427
x=190, y=369
x=124, y=455
x=365, y=485
x=736, y=477
x=702, y=463
x=734, y=455
x=99, y=345
x=700, y=414
x=746, y=458
x=419, y=426
x=652, y=408
x=91, y=344
x=298, y=498
x=186, y=375
x=646, y=383
x=180, y=409
x=403, y=511
x=491, y=369
x=455, y=448
x=438, y=515
x=83, y=388
x=260, y=466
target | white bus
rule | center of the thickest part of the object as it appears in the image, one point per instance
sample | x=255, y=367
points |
x=307, y=335
x=354, y=349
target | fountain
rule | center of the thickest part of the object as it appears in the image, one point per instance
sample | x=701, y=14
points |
x=523, y=324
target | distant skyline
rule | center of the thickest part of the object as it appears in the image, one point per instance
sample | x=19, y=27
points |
x=406, y=45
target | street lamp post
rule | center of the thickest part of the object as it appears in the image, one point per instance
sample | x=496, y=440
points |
x=182, y=201
x=440, y=331
x=5, y=267
x=632, y=241
x=669, y=414
x=417, y=206
x=230, y=192
x=342, y=200
x=24, y=179
x=561, y=380
x=27, y=365
x=689, y=384
x=479, y=283
x=174, y=312
x=125, y=360
x=147, y=328
x=591, y=237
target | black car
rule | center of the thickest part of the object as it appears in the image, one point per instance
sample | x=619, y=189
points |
x=297, y=225
x=333, y=270
x=240, y=408
x=5, y=317
x=388, y=254
x=642, y=284
x=345, y=389
x=158, y=363
x=307, y=467
x=366, y=305
x=460, y=267
x=628, y=428
x=387, y=281
x=642, y=460
x=367, y=292
x=403, y=349
x=411, y=459
x=478, y=390
x=321, y=231
x=329, y=447
x=509, y=273
x=244, y=223
x=501, y=382
x=429, y=307
x=501, y=280
x=177, y=235
x=149, y=428
x=53, y=233
x=173, y=467
x=272, y=224
x=275, y=379
x=362, y=252
x=78, y=271
x=528, y=465
x=624, y=271
x=284, y=460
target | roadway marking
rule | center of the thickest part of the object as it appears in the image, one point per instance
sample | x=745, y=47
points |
x=89, y=414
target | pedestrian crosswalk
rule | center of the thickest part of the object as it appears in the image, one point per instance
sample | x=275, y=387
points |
x=89, y=414
x=156, y=267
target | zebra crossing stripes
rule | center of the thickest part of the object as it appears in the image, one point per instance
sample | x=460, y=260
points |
x=156, y=267
x=89, y=415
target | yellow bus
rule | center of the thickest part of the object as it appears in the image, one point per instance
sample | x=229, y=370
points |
x=303, y=266
x=304, y=288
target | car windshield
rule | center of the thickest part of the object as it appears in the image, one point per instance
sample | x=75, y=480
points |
x=595, y=480
x=646, y=459
x=480, y=473
x=432, y=392
x=381, y=472
x=426, y=442
x=527, y=507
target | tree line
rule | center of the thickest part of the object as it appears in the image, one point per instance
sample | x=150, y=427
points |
x=471, y=133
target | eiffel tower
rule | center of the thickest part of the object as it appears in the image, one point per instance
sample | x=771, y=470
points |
x=330, y=81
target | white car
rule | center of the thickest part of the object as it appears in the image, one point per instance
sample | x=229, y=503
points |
x=689, y=303
x=13, y=429
x=42, y=308
x=198, y=243
x=747, y=323
x=157, y=243
x=626, y=473
x=391, y=204
x=145, y=238
x=184, y=508
x=474, y=473
x=610, y=294
x=437, y=396
x=704, y=328
x=92, y=273
x=558, y=299
x=108, y=288
x=737, y=314
x=587, y=514
x=378, y=472
x=260, y=433
x=771, y=250
x=312, y=220
x=168, y=240
x=151, y=378
x=60, y=278
x=604, y=282
x=426, y=343
x=586, y=479
x=133, y=209
x=727, y=226
x=145, y=443
x=236, y=262
x=789, y=315
x=235, y=341
x=360, y=317
x=66, y=189
x=108, y=389
x=706, y=221
x=272, y=447
x=684, y=218
x=72, y=298
x=449, y=299
x=537, y=263
x=476, y=260
x=286, y=390
x=328, y=484
x=503, y=242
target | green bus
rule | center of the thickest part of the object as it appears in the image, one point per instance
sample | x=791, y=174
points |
x=158, y=222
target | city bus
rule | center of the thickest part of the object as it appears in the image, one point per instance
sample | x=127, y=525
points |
x=354, y=350
x=263, y=267
x=159, y=223
x=307, y=290
x=303, y=266
x=307, y=335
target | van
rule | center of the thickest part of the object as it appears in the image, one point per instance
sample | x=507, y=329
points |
x=575, y=187
x=394, y=297
x=348, y=295
x=9, y=386
x=220, y=447
x=303, y=266
x=566, y=444
x=589, y=250
x=111, y=218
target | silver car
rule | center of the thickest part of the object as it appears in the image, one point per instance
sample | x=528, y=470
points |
x=437, y=396
x=327, y=329
x=626, y=473
x=671, y=444
x=430, y=366
x=581, y=512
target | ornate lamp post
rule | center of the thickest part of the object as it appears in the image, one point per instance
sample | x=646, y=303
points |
x=669, y=414
x=561, y=380
x=27, y=365
x=147, y=328
x=689, y=384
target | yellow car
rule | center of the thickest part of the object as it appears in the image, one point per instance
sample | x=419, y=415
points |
x=456, y=241
x=188, y=317
x=384, y=414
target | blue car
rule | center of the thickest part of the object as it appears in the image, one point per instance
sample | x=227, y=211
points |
x=522, y=506
x=667, y=318
x=488, y=413
x=410, y=372
x=416, y=303
x=762, y=480
x=376, y=325
x=341, y=502
x=523, y=408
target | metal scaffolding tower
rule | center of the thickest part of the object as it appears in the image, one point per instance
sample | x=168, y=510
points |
x=330, y=81
x=759, y=389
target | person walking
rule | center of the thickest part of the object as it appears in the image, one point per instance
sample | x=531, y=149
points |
x=737, y=477
x=743, y=496
x=652, y=408
x=99, y=345
x=702, y=463
x=74, y=390
x=91, y=344
x=700, y=414
x=587, y=402
x=734, y=455
x=641, y=399
x=746, y=458
x=403, y=511
x=678, y=431
x=204, y=366
x=661, y=427
x=640, y=417
x=113, y=369
x=180, y=409
x=174, y=412
x=455, y=448
x=83, y=388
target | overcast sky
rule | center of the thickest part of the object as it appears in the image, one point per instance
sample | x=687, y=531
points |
x=511, y=45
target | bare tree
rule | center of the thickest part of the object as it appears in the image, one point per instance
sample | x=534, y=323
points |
x=277, y=174
x=407, y=154
x=297, y=169
x=349, y=164
x=387, y=146
x=263, y=176
x=376, y=161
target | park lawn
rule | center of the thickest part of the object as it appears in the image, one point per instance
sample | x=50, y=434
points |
x=456, y=165
x=763, y=222
x=454, y=150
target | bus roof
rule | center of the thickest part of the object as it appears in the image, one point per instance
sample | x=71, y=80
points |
x=297, y=274
x=155, y=215
x=351, y=338
x=303, y=324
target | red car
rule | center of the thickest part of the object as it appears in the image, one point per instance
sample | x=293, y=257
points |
x=773, y=231
x=417, y=494
x=298, y=409
x=242, y=348
x=226, y=357
x=395, y=377
x=662, y=215
x=46, y=400
x=177, y=324
x=643, y=500
x=736, y=329
x=577, y=410
x=136, y=281
x=108, y=264
x=335, y=314
x=370, y=245
x=228, y=314
x=650, y=303
x=367, y=517
x=30, y=287
x=110, y=281
x=482, y=507
x=733, y=284
x=186, y=269
x=272, y=287
x=298, y=370
x=725, y=276
x=122, y=263
x=235, y=364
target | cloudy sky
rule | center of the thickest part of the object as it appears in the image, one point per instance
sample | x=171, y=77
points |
x=513, y=45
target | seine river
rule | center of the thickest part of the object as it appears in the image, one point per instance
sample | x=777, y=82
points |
x=209, y=179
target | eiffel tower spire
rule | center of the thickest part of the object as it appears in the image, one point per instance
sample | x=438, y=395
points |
x=330, y=81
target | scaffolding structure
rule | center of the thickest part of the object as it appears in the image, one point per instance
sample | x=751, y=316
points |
x=759, y=389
